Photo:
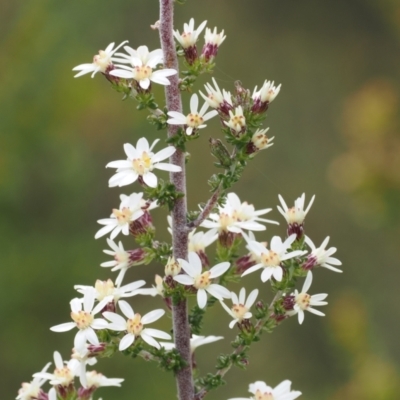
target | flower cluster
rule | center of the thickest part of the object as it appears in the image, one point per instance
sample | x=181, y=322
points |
x=105, y=322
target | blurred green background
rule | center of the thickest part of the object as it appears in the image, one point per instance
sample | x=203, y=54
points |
x=336, y=124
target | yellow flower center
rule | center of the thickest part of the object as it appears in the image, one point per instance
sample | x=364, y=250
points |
x=239, y=310
x=202, y=281
x=187, y=39
x=82, y=319
x=295, y=215
x=102, y=60
x=65, y=374
x=135, y=325
x=143, y=164
x=194, y=120
x=303, y=300
x=260, y=140
x=263, y=396
x=104, y=288
x=225, y=220
x=123, y=216
x=142, y=72
x=270, y=259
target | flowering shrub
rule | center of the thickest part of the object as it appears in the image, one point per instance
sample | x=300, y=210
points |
x=105, y=323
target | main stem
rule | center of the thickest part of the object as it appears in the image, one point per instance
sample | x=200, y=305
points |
x=179, y=233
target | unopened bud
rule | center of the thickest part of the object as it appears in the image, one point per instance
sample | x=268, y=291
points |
x=220, y=152
x=141, y=225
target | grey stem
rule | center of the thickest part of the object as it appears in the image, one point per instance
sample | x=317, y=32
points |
x=179, y=233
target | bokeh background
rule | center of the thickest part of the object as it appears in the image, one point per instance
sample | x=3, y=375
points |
x=336, y=124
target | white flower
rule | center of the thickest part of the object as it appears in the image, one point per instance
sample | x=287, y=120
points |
x=267, y=93
x=172, y=267
x=260, y=140
x=142, y=69
x=237, y=121
x=64, y=373
x=214, y=38
x=189, y=36
x=240, y=306
x=95, y=379
x=304, y=302
x=202, y=281
x=31, y=390
x=217, y=99
x=129, y=210
x=195, y=341
x=123, y=260
x=134, y=326
x=296, y=214
x=270, y=260
x=235, y=216
x=142, y=54
x=263, y=392
x=100, y=62
x=107, y=290
x=84, y=320
x=194, y=120
x=319, y=257
x=140, y=162
x=83, y=357
x=198, y=241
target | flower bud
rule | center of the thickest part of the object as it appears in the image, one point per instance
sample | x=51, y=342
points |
x=212, y=42
x=141, y=225
x=220, y=152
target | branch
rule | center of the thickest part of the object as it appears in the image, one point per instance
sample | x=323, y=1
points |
x=206, y=211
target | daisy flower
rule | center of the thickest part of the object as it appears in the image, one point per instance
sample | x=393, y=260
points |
x=107, y=290
x=134, y=326
x=304, y=302
x=267, y=93
x=259, y=141
x=236, y=216
x=142, y=69
x=140, y=162
x=130, y=209
x=221, y=101
x=64, y=373
x=263, y=392
x=31, y=390
x=296, y=214
x=195, y=120
x=189, y=36
x=84, y=357
x=142, y=53
x=123, y=260
x=213, y=40
x=202, y=281
x=237, y=121
x=101, y=61
x=240, y=306
x=319, y=257
x=84, y=320
x=270, y=260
